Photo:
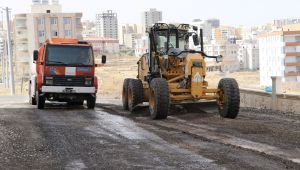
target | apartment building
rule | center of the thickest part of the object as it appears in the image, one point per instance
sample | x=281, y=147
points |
x=223, y=33
x=282, y=22
x=279, y=56
x=248, y=54
x=229, y=51
x=32, y=29
x=107, y=24
x=151, y=17
x=207, y=26
x=130, y=39
x=89, y=29
x=103, y=45
x=142, y=46
x=125, y=29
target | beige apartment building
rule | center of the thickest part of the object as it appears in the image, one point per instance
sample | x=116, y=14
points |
x=229, y=51
x=32, y=29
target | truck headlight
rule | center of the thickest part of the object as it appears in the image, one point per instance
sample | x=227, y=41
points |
x=88, y=81
x=49, y=81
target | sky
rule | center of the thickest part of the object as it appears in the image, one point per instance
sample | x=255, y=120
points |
x=230, y=12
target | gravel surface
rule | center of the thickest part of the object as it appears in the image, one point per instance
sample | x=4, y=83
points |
x=61, y=137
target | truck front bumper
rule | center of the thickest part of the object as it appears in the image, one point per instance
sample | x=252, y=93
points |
x=68, y=90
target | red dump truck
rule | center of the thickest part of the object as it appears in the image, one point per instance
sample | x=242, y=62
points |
x=65, y=72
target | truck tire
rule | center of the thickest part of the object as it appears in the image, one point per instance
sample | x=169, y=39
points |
x=32, y=100
x=135, y=93
x=229, y=101
x=159, y=99
x=40, y=100
x=125, y=93
x=91, y=102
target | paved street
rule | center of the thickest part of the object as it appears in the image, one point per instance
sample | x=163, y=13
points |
x=193, y=137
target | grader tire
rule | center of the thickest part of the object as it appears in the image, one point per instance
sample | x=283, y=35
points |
x=159, y=100
x=230, y=98
x=135, y=93
x=125, y=93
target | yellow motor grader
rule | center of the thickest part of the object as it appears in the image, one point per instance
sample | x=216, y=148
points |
x=171, y=72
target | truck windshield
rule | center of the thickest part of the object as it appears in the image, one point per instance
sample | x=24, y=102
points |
x=69, y=55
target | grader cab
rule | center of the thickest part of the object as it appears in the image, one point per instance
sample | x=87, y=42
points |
x=171, y=72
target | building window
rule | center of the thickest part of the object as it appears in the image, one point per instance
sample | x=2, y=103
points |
x=53, y=21
x=41, y=33
x=297, y=38
x=78, y=21
x=54, y=33
x=68, y=33
x=67, y=21
x=20, y=23
x=41, y=21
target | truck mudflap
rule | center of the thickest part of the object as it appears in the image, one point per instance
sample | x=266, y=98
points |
x=67, y=90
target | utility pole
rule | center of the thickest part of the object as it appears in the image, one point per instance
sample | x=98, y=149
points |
x=9, y=49
x=6, y=65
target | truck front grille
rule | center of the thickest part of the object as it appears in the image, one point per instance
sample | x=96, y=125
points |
x=69, y=81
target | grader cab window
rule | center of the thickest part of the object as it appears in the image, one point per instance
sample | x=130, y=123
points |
x=177, y=39
x=162, y=41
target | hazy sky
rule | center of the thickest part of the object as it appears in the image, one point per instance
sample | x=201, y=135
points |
x=230, y=12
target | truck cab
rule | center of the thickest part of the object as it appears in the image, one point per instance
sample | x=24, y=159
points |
x=64, y=72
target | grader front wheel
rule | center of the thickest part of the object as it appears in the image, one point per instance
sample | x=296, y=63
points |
x=229, y=98
x=159, y=100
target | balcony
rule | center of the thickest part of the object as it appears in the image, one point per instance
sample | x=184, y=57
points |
x=292, y=44
x=292, y=64
x=21, y=38
x=292, y=74
x=290, y=54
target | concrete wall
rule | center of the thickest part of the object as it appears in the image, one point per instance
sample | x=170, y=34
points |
x=262, y=100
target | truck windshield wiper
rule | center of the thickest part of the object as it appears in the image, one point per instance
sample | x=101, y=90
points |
x=80, y=64
x=56, y=62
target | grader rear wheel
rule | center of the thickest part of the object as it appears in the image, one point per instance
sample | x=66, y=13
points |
x=159, y=100
x=135, y=93
x=125, y=94
x=229, y=98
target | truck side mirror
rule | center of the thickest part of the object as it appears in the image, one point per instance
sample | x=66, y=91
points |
x=196, y=40
x=35, y=55
x=103, y=59
x=195, y=28
x=219, y=58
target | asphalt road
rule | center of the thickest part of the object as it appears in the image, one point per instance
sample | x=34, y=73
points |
x=193, y=137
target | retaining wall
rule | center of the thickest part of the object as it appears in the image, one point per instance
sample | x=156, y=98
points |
x=263, y=100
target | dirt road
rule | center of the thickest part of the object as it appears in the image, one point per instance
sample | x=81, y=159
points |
x=193, y=137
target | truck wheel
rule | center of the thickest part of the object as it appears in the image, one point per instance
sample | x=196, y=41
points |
x=135, y=93
x=40, y=100
x=125, y=93
x=91, y=102
x=32, y=100
x=159, y=99
x=229, y=98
